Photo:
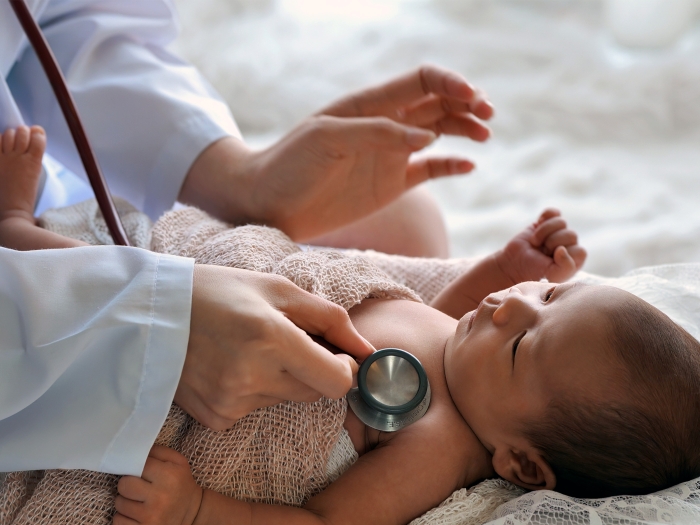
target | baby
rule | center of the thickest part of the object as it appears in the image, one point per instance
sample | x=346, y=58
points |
x=560, y=386
x=586, y=389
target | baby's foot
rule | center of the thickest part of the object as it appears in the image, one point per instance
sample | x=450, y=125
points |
x=21, y=151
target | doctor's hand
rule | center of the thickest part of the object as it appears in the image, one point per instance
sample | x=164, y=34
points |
x=345, y=162
x=249, y=347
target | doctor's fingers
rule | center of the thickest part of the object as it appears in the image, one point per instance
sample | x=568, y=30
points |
x=388, y=98
x=433, y=108
x=464, y=125
x=319, y=317
x=424, y=169
x=313, y=365
x=357, y=134
x=222, y=413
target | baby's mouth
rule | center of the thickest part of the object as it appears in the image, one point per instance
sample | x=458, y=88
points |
x=471, y=321
x=474, y=314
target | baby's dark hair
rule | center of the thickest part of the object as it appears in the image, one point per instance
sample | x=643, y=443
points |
x=648, y=438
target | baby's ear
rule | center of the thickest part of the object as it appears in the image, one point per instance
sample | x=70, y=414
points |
x=526, y=468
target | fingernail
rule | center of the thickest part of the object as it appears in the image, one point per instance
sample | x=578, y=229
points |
x=420, y=138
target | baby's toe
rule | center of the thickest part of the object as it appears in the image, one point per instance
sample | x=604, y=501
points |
x=21, y=139
x=37, y=141
x=8, y=141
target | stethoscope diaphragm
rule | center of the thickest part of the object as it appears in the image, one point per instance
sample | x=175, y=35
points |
x=392, y=390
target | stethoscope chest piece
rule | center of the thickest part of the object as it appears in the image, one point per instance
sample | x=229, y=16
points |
x=392, y=390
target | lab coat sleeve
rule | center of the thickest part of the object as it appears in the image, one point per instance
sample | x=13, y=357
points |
x=148, y=113
x=93, y=341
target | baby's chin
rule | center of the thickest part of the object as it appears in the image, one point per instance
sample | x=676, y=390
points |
x=464, y=325
x=457, y=338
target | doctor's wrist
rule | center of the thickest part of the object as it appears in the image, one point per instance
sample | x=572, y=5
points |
x=221, y=181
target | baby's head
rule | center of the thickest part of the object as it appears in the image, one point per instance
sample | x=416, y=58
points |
x=587, y=389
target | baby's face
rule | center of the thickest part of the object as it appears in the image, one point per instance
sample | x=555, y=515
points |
x=522, y=347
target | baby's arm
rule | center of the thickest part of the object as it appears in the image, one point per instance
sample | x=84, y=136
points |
x=391, y=484
x=167, y=494
x=21, y=151
x=545, y=249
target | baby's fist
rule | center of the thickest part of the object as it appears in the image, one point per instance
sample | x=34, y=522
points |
x=546, y=249
x=166, y=494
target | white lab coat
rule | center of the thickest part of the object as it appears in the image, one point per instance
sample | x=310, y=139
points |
x=92, y=344
x=92, y=340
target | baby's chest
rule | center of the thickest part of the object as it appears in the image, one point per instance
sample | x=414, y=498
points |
x=363, y=437
x=440, y=441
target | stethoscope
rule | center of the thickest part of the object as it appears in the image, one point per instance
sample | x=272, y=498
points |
x=392, y=387
x=392, y=391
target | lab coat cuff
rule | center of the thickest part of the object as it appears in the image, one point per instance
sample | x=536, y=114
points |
x=195, y=134
x=163, y=362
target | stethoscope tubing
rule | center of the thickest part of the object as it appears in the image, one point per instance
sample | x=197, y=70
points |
x=67, y=104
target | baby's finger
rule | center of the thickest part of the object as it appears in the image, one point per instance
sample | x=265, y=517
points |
x=548, y=213
x=167, y=454
x=152, y=469
x=120, y=519
x=578, y=254
x=564, y=266
x=129, y=508
x=564, y=238
x=133, y=488
x=545, y=229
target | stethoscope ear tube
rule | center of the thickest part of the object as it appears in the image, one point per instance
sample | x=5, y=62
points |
x=65, y=100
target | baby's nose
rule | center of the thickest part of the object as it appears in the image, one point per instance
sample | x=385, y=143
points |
x=514, y=307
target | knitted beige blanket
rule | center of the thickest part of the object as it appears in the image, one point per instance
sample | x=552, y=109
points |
x=283, y=454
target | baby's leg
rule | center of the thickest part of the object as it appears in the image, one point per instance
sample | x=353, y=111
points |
x=21, y=151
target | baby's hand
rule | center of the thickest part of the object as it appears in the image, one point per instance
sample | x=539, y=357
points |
x=166, y=494
x=546, y=248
